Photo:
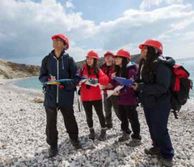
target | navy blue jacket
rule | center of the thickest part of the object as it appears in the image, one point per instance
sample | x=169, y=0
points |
x=155, y=91
x=62, y=68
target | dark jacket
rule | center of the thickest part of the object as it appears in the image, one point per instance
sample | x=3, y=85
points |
x=108, y=70
x=155, y=87
x=62, y=68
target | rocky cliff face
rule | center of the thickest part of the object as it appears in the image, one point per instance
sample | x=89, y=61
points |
x=9, y=70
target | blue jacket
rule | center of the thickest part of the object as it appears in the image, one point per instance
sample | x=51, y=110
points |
x=62, y=68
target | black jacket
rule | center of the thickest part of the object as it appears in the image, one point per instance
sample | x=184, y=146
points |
x=62, y=68
x=156, y=88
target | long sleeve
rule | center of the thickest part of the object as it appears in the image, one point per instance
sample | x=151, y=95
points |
x=132, y=74
x=44, y=75
x=103, y=78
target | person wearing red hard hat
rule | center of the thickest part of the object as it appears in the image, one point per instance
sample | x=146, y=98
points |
x=61, y=37
x=108, y=54
x=153, y=85
x=92, y=55
x=108, y=68
x=59, y=65
x=124, y=54
x=91, y=94
x=127, y=99
x=153, y=43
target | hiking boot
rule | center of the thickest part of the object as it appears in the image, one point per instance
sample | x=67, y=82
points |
x=76, y=144
x=134, y=143
x=102, y=136
x=92, y=134
x=166, y=162
x=136, y=140
x=124, y=137
x=152, y=151
x=53, y=151
x=134, y=136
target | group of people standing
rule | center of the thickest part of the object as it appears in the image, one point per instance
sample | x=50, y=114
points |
x=150, y=88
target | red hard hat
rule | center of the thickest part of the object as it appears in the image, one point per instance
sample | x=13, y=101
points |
x=123, y=53
x=92, y=54
x=152, y=43
x=108, y=53
x=63, y=37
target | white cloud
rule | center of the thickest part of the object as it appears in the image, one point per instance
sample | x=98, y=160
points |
x=147, y=4
x=26, y=28
x=136, y=25
x=69, y=4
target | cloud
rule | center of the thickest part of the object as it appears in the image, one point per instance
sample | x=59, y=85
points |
x=69, y=4
x=135, y=26
x=26, y=28
x=147, y=4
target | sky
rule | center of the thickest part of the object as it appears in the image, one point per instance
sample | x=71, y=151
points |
x=26, y=27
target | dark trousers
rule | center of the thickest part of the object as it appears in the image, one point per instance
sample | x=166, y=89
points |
x=157, y=120
x=129, y=113
x=88, y=110
x=108, y=104
x=51, y=124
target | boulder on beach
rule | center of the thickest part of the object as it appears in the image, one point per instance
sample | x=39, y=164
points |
x=38, y=100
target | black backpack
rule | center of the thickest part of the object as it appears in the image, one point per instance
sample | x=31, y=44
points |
x=180, y=87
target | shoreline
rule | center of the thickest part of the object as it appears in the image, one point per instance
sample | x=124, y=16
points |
x=11, y=84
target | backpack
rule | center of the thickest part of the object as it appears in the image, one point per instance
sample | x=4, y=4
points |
x=180, y=86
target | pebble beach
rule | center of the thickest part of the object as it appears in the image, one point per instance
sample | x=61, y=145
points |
x=23, y=139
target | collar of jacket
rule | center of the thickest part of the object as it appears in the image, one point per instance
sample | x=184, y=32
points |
x=61, y=55
x=105, y=65
x=85, y=68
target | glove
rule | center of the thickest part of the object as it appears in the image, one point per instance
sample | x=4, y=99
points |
x=93, y=81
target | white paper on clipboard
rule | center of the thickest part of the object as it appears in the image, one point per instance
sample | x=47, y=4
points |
x=86, y=81
x=111, y=92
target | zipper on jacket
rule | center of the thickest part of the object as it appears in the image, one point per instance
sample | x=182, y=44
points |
x=57, y=98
